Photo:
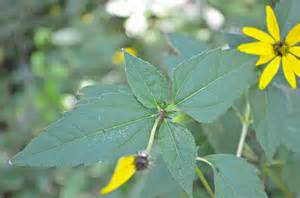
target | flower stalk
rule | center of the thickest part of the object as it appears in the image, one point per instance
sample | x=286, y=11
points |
x=204, y=182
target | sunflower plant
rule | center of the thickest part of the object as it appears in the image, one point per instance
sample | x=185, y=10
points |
x=152, y=116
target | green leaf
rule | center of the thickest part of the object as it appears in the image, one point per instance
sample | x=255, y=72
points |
x=235, y=39
x=276, y=114
x=102, y=126
x=291, y=173
x=179, y=151
x=74, y=183
x=149, y=186
x=235, y=178
x=185, y=47
x=206, y=85
x=287, y=12
x=196, y=128
x=224, y=133
x=149, y=86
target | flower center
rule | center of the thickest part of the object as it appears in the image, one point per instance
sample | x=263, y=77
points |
x=281, y=49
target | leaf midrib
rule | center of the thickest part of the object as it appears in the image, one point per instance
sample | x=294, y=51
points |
x=95, y=133
x=210, y=83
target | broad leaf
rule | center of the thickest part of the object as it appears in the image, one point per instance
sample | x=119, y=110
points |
x=146, y=82
x=104, y=125
x=276, y=113
x=235, y=178
x=179, y=151
x=287, y=12
x=206, y=85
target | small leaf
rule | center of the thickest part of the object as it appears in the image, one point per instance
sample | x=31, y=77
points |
x=179, y=151
x=104, y=125
x=235, y=178
x=149, y=86
x=276, y=114
x=206, y=85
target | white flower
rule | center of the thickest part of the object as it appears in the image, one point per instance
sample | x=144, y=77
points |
x=69, y=101
x=125, y=8
x=214, y=18
x=136, y=24
x=66, y=37
x=164, y=7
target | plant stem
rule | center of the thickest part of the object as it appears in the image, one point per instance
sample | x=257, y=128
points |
x=246, y=122
x=205, y=161
x=277, y=181
x=204, y=182
x=152, y=134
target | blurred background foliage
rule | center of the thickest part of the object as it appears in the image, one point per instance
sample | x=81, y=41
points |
x=50, y=49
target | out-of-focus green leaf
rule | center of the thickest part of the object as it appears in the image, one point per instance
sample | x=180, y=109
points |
x=179, y=151
x=42, y=37
x=276, y=114
x=149, y=86
x=291, y=173
x=235, y=178
x=224, y=133
x=74, y=184
x=206, y=85
x=287, y=12
x=109, y=125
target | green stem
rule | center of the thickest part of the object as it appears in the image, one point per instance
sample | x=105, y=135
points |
x=277, y=181
x=246, y=122
x=205, y=161
x=152, y=134
x=238, y=113
x=204, y=182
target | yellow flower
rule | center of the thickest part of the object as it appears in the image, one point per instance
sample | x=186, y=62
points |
x=55, y=10
x=125, y=169
x=87, y=18
x=118, y=57
x=273, y=50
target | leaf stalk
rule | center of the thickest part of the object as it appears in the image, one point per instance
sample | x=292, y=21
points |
x=152, y=135
x=246, y=123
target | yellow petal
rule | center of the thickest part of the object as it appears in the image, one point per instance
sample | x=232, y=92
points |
x=257, y=48
x=269, y=73
x=131, y=51
x=264, y=59
x=288, y=70
x=118, y=57
x=258, y=34
x=123, y=172
x=294, y=62
x=293, y=37
x=297, y=67
x=295, y=50
x=272, y=24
